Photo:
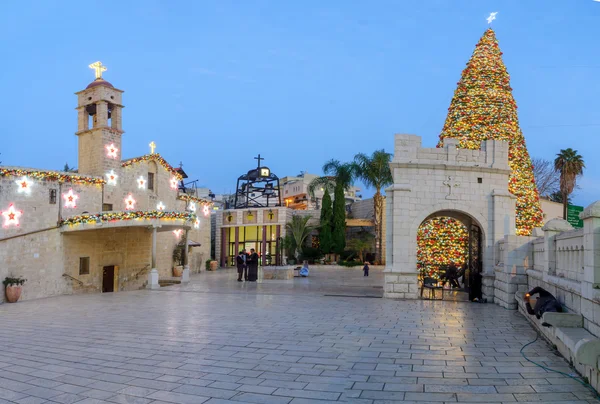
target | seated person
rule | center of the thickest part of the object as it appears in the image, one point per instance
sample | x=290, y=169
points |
x=545, y=303
x=452, y=276
x=304, y=270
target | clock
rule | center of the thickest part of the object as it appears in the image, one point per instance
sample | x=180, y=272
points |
x=265, y=172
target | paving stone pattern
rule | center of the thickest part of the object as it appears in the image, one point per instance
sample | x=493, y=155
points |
x=219, y=341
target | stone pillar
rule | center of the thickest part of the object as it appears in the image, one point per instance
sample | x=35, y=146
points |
x=263, y=256
x=518, y=258
x=82, y=119
x=185, y=276
x=551, y=229
x=502, y=223
x=115, y=120
x=101, y=114
x=153, y=275
x=591, y=252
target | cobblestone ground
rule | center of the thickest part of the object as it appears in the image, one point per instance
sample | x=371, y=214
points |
x=219, y=341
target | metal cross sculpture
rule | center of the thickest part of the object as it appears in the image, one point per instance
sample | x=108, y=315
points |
x=98, y=69
x=259, y=159
x=450, y=183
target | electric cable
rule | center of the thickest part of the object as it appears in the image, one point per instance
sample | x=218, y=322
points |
x=576, y=378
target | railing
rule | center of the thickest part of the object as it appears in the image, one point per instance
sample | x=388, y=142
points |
x=569, y=255
x=74, y=279
x=538, y=254
x=141, y=271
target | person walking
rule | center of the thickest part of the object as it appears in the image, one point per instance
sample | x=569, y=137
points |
x=366, y=269
x=241, y=264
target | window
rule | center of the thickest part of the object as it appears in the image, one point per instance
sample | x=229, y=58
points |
x=480, y=180
x=107, y=207
x=84, y=265
x=151, y=181
x=53, y=197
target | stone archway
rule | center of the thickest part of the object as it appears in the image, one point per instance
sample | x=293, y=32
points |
x=468, y=184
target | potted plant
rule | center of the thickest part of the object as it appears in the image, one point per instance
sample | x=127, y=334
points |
x=178, y=258
x=13, y=288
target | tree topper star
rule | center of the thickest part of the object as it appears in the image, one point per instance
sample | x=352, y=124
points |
x=492, y=17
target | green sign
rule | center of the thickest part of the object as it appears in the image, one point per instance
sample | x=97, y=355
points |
x=573, y=216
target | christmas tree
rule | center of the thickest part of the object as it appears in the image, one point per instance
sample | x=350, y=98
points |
x=483, y=108
x=441, y=241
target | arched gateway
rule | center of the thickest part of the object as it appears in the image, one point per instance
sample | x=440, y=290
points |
x=470, y=186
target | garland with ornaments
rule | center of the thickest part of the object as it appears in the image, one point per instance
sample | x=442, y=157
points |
x=153, y=157
x=483, y=108
x=441, y=241
x=134, y=215
x=188, y=198
x=51, y=176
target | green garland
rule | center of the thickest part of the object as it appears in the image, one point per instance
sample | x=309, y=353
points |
x=153, y=157
x=136, y=215
x=51, y=176
x=186, y=197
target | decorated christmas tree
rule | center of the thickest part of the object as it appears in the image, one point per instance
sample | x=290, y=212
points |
x=483, y=108
x=441, y=241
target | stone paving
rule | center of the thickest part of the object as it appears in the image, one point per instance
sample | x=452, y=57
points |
x=219, y=341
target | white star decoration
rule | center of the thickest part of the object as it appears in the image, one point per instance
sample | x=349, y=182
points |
x=129, y=203
x=24, y=185
x=492, y=17
x=197, y=223
x=173, y=183
x=11, y=216
x=141, y=182
x=192, y=206
x=111, y=177
x=178, y=233
x=111, y=150
x=160, y=206
x=205, y=210
x=70, y=199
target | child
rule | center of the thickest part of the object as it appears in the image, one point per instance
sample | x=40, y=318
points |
x=366, y=269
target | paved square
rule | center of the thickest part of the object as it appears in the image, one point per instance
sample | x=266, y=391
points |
x=299, y=341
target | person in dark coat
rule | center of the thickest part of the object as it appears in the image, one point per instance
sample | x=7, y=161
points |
x=366, y=269
x=452, y=276
x=241, y=265
x=544, y=304
x=252, y=266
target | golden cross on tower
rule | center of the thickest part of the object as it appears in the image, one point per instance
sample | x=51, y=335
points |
x=152, y=147
x=97, y=66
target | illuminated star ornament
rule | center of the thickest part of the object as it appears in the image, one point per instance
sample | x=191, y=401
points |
x=178, y=233
x=160, y=206
x=173, y=183
x=70, y=199
x=111, y=150
x=141, y=183
x=197, y=223
x=129, y=203
x=192, y=206
x=11, y=216
x=111, y=177
x=205, y=210
x=492, y=17
x=24, y=185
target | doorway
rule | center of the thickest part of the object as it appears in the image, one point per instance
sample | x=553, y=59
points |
x=108, y=279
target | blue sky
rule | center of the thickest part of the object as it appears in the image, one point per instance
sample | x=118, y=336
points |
x=213, y=83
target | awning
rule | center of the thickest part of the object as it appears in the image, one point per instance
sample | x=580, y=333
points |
x=192, y=243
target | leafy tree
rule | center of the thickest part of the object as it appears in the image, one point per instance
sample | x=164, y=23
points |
x=361, y=244
x=546, y=177
x=325, y=235
x=339, y=220
x=570, y=165
x=68, y=169
x=298, y=230
x=375, y=172
x=558, y=197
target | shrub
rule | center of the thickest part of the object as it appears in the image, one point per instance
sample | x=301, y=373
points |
x=350, y=264
x=9, y=281
x=207, y=264
x=311, y=254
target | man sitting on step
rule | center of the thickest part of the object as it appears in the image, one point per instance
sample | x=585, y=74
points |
x=545, y=303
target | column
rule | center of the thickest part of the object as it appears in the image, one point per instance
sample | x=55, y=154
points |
x=82, y=119
x=153, y=275
x=278, y=258
x=185, y=277
x=263, y=256
x=237, y=240
x=101, y=114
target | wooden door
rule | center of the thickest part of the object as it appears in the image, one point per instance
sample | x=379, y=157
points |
x=108, y=279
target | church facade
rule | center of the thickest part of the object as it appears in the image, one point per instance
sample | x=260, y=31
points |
x=113, y=225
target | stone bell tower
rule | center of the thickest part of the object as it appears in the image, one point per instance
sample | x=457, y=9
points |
x=99, y=127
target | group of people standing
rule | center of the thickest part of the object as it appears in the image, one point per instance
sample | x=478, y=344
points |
x=247, y=265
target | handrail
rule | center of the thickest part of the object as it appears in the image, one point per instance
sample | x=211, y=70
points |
x=141, y=271
x=28, y=233
x=75, y=279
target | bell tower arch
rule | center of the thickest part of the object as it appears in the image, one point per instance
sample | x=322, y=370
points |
x=99, y=125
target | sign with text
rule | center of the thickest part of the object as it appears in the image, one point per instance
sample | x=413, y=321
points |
x=573, y=216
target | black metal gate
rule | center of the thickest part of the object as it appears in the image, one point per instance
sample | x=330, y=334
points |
x=474, y=279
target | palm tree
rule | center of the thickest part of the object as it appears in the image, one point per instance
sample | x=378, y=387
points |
x=375, y=172
x=570, y=165
x=298, y=230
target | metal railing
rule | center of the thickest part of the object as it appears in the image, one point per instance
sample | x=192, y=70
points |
x=72, y=278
